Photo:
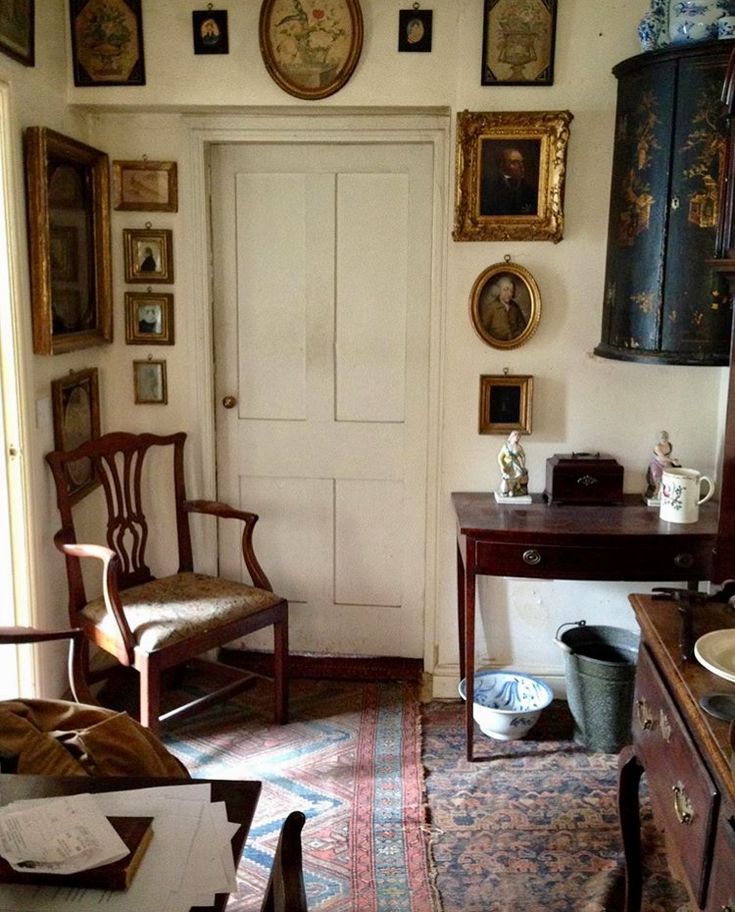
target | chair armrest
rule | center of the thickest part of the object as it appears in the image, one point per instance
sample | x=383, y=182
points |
x=18, y=634
x=225, y=511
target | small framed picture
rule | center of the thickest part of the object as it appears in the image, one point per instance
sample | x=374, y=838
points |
x=149, y=319
x=414, y=30
x=505, y=404
x=505, y=305
x=145, y=186
x=17, y=32
x=518, y=39
x=210, y=31
x=76, y=414
x=107, y=42
x=148, y=255
x=149, y=381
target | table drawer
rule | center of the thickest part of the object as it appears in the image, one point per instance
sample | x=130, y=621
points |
x=683, y=793
x=721, y=894
x=649, y=559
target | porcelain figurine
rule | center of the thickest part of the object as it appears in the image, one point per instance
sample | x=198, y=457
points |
x=512, y=462
x=660, y=461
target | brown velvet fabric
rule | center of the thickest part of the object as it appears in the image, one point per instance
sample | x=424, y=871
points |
x=58, y=738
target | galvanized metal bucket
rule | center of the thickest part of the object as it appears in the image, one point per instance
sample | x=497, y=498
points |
x=600, y=664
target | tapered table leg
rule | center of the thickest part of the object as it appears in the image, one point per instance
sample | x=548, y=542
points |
x=630, y=771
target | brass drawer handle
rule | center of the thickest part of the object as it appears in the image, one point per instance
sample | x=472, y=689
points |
x=665, y=726
x=645, y=716
x=532, y=557
x=683, y=807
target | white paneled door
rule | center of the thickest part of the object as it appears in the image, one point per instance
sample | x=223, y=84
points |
x=322, y=265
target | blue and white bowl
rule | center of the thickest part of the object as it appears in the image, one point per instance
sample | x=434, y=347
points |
x=507, y=704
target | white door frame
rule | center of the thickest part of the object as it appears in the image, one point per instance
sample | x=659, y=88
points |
x=325, y=125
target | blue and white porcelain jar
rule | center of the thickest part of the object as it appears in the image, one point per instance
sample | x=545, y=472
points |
x=694, y=20
x=653, y=30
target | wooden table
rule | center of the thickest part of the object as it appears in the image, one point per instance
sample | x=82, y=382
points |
x=239, y=796
x=553, y=541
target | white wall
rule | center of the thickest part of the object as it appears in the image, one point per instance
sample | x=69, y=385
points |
x=581, y=402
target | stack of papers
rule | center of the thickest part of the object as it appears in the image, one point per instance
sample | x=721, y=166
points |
x=187, y=862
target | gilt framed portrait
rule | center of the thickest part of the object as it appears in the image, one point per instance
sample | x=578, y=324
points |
x=149, y=380
x=145, y=186
x=107, y=42
x=149, y=318
x=518, y=38
x=505, y=305
x=17, y=30
x=510, y=175
x=505, y=404
x=148, y=255
x=76, y=415
x=310, y=48
x=68, y=212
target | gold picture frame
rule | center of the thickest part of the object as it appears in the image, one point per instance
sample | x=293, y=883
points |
x=76, y=416
x=149, y=255
x=310, y=48
x=145, y=186
x=510, y=175
x=505, y=404
x=68, y=211
x=17, y=31
x=149, y=318
x=107, y=42
x=149, y=381
x=505, y=305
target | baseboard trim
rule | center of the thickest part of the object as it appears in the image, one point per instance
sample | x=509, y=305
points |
x=330, y=667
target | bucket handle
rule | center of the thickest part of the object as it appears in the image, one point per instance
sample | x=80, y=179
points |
x=560, y=643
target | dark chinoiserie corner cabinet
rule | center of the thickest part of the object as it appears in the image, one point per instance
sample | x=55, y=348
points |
x=662, y=302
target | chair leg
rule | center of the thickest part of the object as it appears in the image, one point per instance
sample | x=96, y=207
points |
x=79, y=671
x=150, y=695
x=280, y=669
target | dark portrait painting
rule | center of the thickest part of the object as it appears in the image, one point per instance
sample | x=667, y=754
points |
x=509, y=176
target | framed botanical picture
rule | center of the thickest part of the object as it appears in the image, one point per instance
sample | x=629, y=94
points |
x=148, y=255
x=149, y=381
x=149, y=319
x=76, y=414
x=414, y=30
x=17, y=30
x=505, y=404
x=210, y=31
x=145, y=186
x=68, y=208
x=505, y=305
x=518, y=39
x=107, y=42
x=510, y=175
x=310, y=48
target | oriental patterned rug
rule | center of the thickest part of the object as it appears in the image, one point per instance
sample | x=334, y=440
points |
x=350, y=759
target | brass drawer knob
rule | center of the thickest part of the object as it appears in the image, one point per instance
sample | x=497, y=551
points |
x=684, y=561
x=532, y=557
x=683, y=807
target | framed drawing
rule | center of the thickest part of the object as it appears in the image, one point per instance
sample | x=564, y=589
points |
x=68, y=209
x=145, y=186
x=107, y=42
x=510, y=174
x=149, y=380
x=518, y=39
x=505, y=404
x=505, y=305
x=148, y=255
x=310, y=48
x=149, y=319
x=76, y=413
x=17, y=30
x=210, y=31
x=414, y=30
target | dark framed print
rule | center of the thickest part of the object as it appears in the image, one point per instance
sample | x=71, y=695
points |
x=518, y=38
x=149, y=380
x=17, y=30
x=148, y=255
x=310, y=48
x=76, y=415
x=505, y=404
x=210, y=31
x=68, y=211
x=149, y=318
x=145, y=186
x=414, y=30
x=510, y=175
x=107, y=42
x=505, y=305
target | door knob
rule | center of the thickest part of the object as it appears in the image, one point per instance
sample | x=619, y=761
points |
x=229, y=402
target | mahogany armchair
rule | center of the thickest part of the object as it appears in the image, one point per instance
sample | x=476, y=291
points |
x=285, y=891
x=154, y=624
